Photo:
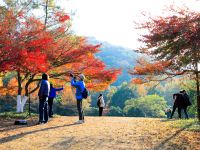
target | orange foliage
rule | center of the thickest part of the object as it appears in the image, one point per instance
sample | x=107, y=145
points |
x=144, y=67
x=137, y=81
x=34, y=47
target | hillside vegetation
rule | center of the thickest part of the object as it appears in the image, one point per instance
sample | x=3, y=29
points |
x=117, y=57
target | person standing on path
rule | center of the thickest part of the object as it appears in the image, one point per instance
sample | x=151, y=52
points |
x=43, y=99
x=186, y=102
x=101, y=104
x=178, y=103
x=80, y=86
x=52, y=95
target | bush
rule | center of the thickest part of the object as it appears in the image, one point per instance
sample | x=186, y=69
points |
x=91, y=111
x=14, y=115
x=122, y=94
x=148, y=106
x=115, y=111
x=7, y=103
x=135, y=112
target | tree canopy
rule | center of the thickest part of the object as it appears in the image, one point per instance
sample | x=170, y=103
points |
x=172, y=41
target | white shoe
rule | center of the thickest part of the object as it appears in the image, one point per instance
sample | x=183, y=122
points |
x=79, y=122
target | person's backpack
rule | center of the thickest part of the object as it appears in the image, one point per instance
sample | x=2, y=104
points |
x=85, y=93
x=187, y=100
x=98, y=102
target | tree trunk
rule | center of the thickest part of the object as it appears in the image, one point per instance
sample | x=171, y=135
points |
x=46, y=12
x=19, y=98
x=24, y=99
x=198, y=96
x=27, y=91
x=18, y=103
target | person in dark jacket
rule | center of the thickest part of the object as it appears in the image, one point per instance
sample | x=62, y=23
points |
x=43, y=99
x=178, y=103
x=52, y=95
x=186, y=102
x=80, y=86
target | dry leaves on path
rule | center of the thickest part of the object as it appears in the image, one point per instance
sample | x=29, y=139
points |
x=98, y=133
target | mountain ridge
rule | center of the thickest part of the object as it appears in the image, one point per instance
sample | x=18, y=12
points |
x=115, y=56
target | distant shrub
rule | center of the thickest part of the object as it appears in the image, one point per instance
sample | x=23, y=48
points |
x=91, y=111
x=135, y=112
x=115, y=111
x=147, y=106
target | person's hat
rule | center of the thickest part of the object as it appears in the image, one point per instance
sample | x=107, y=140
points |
x=81, y=76
x=182, y=91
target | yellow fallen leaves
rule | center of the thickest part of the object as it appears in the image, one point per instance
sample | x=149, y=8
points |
x=98, y=133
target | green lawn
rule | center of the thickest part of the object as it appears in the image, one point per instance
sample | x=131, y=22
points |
x=187, y=124
x=14, y=115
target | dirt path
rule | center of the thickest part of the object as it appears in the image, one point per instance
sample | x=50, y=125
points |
x=98, y=133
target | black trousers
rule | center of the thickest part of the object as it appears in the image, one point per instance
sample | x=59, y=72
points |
x=100, y=111
x=185, y=111
x=174, y=109
x=50, y=102
x=80, y=109
x=43, y=110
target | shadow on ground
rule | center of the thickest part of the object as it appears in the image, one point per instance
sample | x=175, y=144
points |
x=17, y=136
x=161, y=145
x=8, y=124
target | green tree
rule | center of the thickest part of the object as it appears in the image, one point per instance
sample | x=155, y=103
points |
x=148, y=106
x=173, y=42
x=123, y=93
x=115, y=111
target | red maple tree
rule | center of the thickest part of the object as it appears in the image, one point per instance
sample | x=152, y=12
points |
x=173, y=42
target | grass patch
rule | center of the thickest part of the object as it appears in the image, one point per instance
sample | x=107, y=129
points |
x=14, y=115
x=188, y=124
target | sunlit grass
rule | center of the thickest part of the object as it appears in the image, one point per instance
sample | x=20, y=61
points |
x=14, y=115
x=187, y=124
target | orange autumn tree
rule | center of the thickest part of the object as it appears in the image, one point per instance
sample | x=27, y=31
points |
x=50, y=47
x=147, y=71
x=173, y=43
x=71, y=53
x=23, y=41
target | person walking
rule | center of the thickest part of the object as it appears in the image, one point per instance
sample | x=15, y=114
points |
x=43, y=99
x=51, y=97
x=178, y=103
x=186, y=102
x=80, y=86
x=101, y=104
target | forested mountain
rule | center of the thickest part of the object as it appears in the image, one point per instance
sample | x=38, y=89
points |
x=116, y=56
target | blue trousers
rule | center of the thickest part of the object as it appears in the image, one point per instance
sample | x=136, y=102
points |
x=43, y=110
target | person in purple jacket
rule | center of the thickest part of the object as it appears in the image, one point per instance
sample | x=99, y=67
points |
x=52, y=95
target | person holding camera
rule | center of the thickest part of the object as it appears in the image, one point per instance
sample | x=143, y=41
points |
x=80, y=86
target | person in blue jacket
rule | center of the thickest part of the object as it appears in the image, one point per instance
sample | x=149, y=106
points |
x=80, y=86
x=52, y=95
x=43, y=99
